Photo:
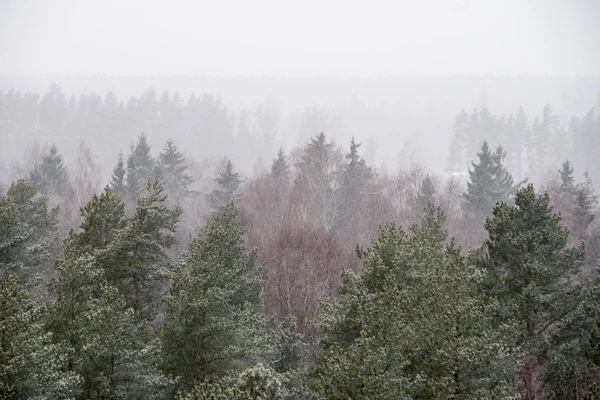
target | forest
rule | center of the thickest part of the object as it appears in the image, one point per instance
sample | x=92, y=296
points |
x=317, y=276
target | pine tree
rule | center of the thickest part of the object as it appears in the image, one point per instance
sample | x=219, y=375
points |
x=215, y=390
x=289, y=347
x=413, y=325
x=228, y=188
x=136, y=261
x=106, y=348
x=51, y=176
x=117, y=180
x=213, y=324
x=30, y=365
x=27, y=229
x=140, y=168
x=489, y=183
x=593, y=352
x=77, y=282
x=115, y=362
x=529, y=267
x=173, y=171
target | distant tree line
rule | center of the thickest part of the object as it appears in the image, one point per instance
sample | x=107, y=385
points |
x=534, y=146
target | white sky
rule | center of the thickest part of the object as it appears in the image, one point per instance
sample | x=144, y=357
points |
x=372, y=38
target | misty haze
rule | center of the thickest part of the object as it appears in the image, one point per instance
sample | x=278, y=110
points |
x=299, y=200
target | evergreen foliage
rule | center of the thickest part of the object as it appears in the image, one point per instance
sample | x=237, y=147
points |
x=117, y=180
x=280, y=168
x=136, y=260
x=413, y=326
x=103, y=216
x=27, y=229
x=489, y=183
x=355, y=184
x=228, y=187
x=213, y=324
x=30, y=365
x=140, y=168
x=51, y=176
x=173, y=171
x=529, y=267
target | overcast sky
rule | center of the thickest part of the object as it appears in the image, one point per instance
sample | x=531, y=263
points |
x=371, y=38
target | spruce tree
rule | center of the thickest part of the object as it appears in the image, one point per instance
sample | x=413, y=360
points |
x=355, y=186
x=173, y=171
x=140, y=168
x=213, y=325
x=280, y=168
x=51, y=176
x=228, y=187
x=489, y=182
x=316, y=182
x=117, y=180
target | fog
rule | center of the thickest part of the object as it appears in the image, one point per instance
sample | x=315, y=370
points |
x=395, y=72
x=300, y=39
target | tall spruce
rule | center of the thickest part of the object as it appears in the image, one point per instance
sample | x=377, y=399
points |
x=51, y=176
x=280, y=168
x=140, y=168
x=489, y=182
x=173, y=171
x=356, y=186
x=117, y=180
x=228, y=187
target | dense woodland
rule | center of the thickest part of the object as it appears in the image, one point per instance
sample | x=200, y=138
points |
x=319, y=277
